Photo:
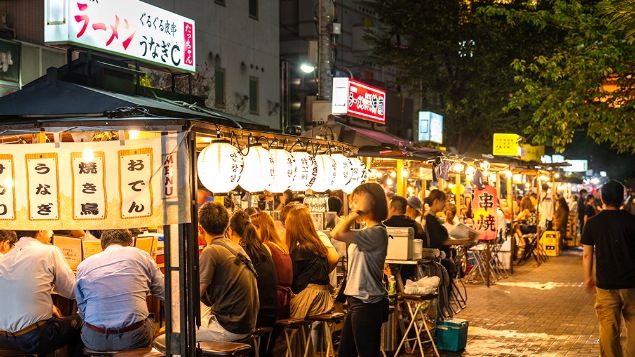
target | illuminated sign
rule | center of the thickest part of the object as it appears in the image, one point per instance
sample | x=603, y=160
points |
x=127, y=28
x=484, y=206
x=576, y=166
x=430, y=127
x=532, y=153
x=506, y=145
x=358, y=100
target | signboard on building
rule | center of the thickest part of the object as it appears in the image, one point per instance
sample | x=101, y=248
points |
x=127, y=28
x=94, y=185
x=532, y=153
x=431, y=127
x=576, y=166
x=359, y=100
x=506, y=145
x=484, y=207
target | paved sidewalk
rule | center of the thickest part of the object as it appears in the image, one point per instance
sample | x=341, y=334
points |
x=537, y=311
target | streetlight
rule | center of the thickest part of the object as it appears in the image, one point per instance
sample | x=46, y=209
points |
x=307, y=68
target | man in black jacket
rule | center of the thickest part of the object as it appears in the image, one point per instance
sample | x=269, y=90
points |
x=398, y=217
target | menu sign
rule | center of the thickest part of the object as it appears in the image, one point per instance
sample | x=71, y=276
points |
x=359, y=100
x=484, y=207
x=94, y=185
x=128, y=28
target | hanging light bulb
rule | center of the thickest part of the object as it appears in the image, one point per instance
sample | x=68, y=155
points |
x=219, y=166
x=343, y=171
x=258, y=172
x=470, y=170
x=88, y=155
x=283, y=170
x=326, y=173
x=304, y=170
x=458, y=167
x=405, y=173
x=393, y=174
x=389, y=182
x=508, y=174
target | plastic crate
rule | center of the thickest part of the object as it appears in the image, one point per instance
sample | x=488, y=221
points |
x=452, y=335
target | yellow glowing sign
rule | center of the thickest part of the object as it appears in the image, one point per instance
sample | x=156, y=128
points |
x=505, y=144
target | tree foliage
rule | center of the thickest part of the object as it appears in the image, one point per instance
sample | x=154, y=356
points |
x=457, y=56
x=586, y=83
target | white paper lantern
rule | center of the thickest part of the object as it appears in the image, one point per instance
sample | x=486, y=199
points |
x=358, y=176
x=283, y=170
x=327, y=171
x=258, y=171
x=342, y=172
x=220, y=166
x=304, y=170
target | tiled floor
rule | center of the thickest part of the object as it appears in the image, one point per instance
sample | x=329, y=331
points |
x=537, y=311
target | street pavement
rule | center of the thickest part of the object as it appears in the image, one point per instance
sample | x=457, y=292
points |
x=538, y=311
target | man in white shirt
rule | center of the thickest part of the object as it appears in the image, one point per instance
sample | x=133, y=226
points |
x=29, y=322
x=8, y=239
x=111, y=294
x=546, y=208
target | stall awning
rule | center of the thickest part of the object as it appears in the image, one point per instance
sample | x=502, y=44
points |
x=372, y=142
x=50, y=97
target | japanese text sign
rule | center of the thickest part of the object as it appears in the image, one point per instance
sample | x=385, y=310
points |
x=484, y=207
x=532, y=153
x=506, y=145
x=358, y=100
x=128, y=28
x=116, y=186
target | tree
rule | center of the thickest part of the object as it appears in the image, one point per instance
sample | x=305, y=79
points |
x=586, y=83
x=457, y=57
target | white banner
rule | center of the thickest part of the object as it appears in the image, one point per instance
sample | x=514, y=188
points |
x=94, y=185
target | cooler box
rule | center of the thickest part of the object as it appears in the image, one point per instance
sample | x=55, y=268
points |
x=551, y=243
x=400, y=243
x=452, y=334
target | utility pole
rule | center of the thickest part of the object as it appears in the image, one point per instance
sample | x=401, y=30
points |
x=325, y=20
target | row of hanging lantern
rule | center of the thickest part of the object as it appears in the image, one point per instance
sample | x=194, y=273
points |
x=222, y=167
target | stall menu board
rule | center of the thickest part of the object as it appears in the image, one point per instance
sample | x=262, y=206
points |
x=95, y=185
x=147, y=244
x=484, y=207
x=91, y=247
x=71, y=249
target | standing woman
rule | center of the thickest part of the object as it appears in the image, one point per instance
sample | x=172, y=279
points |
x=243, y=232
x=562, y=217
x=367, y=296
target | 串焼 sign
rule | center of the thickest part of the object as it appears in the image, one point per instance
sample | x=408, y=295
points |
x=128, y=28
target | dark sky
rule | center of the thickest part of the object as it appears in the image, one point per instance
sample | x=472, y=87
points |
x=601, y=157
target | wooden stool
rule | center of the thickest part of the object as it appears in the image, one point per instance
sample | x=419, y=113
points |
x=137, y=352
x=7, y=353
x=414, y=303
x=258, y=334
x=222, y=349
x=291, y=327
x=328, y=320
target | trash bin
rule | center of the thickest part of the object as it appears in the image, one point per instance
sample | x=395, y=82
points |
x=389, y=332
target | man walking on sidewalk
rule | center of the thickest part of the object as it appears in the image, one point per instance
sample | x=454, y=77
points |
x=611, y=235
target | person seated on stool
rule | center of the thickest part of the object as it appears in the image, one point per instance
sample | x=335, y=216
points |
x=29, y=321
x=111, y=294
x=229, y=294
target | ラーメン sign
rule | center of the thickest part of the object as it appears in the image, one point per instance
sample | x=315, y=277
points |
x=128, y=28
x=358, y=100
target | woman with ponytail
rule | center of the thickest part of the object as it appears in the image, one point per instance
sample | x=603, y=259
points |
x=243, y=232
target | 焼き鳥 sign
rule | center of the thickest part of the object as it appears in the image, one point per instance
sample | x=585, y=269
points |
x=94, y=185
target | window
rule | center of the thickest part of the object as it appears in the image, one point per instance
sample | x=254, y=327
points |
x=219, y=87
x=220, y=2
x=253, y=95
x=253, y=9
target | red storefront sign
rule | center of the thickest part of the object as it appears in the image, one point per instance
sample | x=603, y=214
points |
x=484, y=207
x=358, y=100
